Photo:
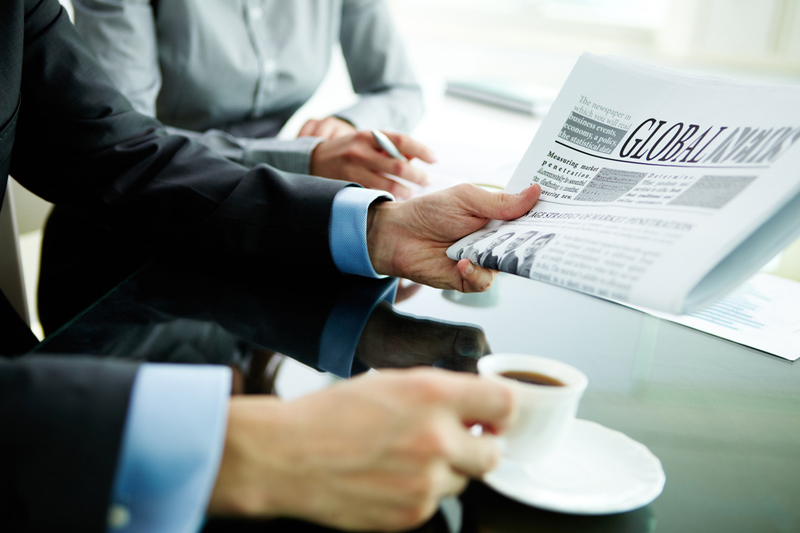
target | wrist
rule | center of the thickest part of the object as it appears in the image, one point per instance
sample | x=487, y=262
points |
x=380, y=236
x=252, y=470
x=314, y=159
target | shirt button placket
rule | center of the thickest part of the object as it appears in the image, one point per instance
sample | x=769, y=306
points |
x=267, y=65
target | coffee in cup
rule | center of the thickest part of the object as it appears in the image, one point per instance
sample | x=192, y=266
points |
x=548, y=393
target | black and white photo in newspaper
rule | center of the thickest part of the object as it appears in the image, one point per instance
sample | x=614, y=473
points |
x=650, y=180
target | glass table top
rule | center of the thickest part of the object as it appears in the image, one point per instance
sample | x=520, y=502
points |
x=723, y=419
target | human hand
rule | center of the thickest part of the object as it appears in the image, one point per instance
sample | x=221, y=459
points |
x=410, y=239
x=327, y=128
x=395, y=340
x=376, y=452
x=359, y=158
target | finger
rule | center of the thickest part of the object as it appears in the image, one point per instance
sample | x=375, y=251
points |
x=371, y=180
x=501, y=206
x=340, y=128
x=408, y=172
x=475, y=456
x=478, y=400
x=327, y=130
x=474, y=278
x=309, y=128
x=378, y=161
x=382, y=163
x=453, y=481
x=411, y=148
x=339, y=131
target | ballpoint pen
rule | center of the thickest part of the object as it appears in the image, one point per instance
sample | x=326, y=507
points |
x=388, y=146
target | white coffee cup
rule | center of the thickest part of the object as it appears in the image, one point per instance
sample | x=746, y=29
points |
x=546, y=412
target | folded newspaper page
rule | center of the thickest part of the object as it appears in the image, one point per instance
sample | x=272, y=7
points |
x=659, y=189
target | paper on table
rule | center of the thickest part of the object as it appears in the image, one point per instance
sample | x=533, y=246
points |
x=462, y=163
x=762, y=313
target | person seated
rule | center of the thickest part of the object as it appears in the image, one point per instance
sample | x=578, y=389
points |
x=93, y=443
x=230, y=77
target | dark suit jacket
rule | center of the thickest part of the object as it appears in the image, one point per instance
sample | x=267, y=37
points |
x=68, y=136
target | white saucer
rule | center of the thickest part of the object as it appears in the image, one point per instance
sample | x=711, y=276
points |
x=596, y=471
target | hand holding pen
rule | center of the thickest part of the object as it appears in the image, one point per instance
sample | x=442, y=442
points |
x=372, y=159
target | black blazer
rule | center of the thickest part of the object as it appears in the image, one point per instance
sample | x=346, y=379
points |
x=67, y=135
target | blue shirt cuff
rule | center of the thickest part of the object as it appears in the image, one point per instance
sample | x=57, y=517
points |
x=348, y=230
x=171, y=448
x=346, y=322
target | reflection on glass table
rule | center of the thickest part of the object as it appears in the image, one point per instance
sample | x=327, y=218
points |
x=723, y=419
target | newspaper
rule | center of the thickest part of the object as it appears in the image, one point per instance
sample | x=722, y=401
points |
x=659, y=189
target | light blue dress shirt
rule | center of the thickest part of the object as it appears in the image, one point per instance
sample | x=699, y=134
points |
x=175, y=429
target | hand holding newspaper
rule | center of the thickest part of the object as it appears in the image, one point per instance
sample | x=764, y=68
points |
x=658, y=189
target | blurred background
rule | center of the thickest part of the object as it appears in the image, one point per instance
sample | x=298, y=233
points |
x=530, y=46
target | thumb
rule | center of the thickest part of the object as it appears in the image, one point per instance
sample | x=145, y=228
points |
x=505, y=206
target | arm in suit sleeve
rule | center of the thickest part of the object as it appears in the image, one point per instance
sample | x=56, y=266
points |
x=79, y=143
x=61, y=422
x=128, y=174
x=68, y=434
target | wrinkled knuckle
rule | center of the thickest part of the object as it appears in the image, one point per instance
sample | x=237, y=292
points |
x=400, y=142
x=508, y=200
x=364, y=136
x=394, y=188
x=397, y=167
x=433, y=442
x=464, y=188
x=351, y=156
x=428, y=444
x=429, y=388
x=482, y=285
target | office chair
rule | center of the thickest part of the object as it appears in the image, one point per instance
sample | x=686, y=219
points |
x=12, y=280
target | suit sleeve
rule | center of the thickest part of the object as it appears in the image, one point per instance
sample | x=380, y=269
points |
x=61, y=423
x=125, y=172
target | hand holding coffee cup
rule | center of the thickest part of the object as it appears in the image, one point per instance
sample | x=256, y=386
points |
x=548, y=394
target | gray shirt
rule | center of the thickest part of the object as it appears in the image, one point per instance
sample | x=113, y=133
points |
x=232, y=72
